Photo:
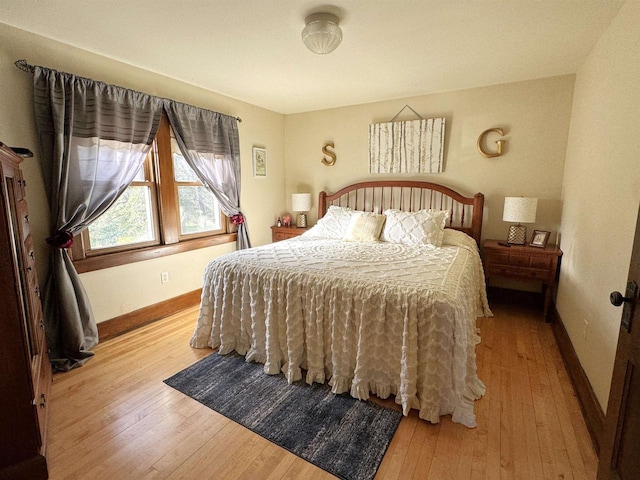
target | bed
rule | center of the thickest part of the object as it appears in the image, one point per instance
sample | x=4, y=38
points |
x=371, y=306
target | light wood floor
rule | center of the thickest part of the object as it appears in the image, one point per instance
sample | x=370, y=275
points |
x=115, y=419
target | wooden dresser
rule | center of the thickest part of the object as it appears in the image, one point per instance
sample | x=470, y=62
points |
x=25, y=370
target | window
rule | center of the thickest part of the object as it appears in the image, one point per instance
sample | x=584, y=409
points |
x=165, y=210
x=130, y=222
x=198, y=210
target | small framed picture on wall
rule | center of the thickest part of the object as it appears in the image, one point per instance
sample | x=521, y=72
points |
x=539, y=238
x=259, y=162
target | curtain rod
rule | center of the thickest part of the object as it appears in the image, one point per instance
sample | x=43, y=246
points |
x=26, y=67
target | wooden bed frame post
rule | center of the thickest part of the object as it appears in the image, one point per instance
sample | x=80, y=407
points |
x=476, y=222
x=322, y=204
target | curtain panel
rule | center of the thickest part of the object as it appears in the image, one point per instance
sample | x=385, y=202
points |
x=210, y=144
x=94, y=137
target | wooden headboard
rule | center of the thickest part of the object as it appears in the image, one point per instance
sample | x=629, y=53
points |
x=410, y=196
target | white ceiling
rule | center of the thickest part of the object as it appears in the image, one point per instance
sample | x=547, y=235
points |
x=251, y=49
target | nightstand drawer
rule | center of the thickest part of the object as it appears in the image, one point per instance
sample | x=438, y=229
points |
x=498, y=258
x=501, y=270
x=519, y=272
x=519, y=260
x=533, y=273
x=277, y=236
x=285, y=233
x=540, y=262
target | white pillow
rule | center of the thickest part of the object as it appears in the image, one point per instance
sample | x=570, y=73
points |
x=333, y=225
x=364, y=227
x=425, y=227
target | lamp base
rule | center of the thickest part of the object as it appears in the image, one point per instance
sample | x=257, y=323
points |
x=517, y=235
x=301, y=220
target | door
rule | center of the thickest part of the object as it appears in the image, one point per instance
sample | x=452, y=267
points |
x=620, y=452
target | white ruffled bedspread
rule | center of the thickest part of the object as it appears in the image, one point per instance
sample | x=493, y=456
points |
x=380, y=318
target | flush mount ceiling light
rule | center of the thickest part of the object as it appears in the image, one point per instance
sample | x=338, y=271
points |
x=322, y=34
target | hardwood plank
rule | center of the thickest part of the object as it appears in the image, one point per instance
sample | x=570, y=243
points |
x=271, y=459
x=426, y=450
x=445, y=457
x=115, y=418
x=300, y=469
x=554, y=363
x=397, y=451
x=526, y=451
x=212, y=457
x=465, y=444
x=560, y=454
x=493, y=395
x=481, y=432
x=534, y=455
x=189, y=437
x=281, y=468
x=415, y=446
x=507, y=357
x=536, y=371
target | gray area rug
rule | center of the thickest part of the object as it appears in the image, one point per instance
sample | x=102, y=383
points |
x=342, y=435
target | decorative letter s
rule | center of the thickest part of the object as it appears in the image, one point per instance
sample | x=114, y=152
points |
x=325, y=149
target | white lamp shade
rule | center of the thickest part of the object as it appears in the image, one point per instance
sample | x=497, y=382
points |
x=301, y=202
x=322, y=34
x=520, y=209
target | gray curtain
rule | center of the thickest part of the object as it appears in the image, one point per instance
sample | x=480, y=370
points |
x=94, y=137
x=210, y=144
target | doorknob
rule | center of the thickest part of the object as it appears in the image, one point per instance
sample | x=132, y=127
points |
x=617, y=299
x=628, y=299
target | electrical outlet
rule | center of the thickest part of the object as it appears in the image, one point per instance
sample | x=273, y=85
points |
x=164, y=277
x=585, y=329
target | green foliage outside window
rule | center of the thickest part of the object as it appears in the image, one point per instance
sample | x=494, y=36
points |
x=198, y=210
x=128, y=220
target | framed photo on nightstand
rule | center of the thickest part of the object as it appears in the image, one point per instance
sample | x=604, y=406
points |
x=539, y=238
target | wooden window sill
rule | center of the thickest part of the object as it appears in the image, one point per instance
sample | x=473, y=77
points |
x=99, y=262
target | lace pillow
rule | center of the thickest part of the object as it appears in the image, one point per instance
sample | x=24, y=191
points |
x=333, y=225
x=425, y=227
x=364, y=227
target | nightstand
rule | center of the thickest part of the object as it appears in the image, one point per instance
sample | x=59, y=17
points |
x=523, y=262
x=284, y=233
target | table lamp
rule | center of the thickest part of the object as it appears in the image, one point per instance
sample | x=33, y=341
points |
x=520, y=210
x=301, y=203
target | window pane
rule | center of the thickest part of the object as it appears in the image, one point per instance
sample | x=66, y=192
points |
x=182, y=170
x=199, y=210
x=128, y=221
x=140, y=175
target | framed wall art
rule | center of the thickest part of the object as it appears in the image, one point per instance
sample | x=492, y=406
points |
x=415, y=146
x=259, y=162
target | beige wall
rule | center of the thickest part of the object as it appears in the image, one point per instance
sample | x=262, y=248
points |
x=601, y=193
x=119, y=290
x=535, y=115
